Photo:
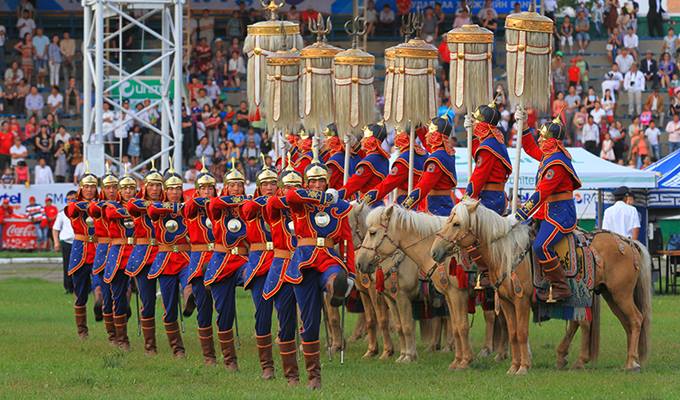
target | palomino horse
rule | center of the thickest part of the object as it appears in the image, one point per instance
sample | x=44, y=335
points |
x=399, y=303
x=622, y=276
x=394, y=228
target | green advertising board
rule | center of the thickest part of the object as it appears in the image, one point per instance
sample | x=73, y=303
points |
x=135, y=91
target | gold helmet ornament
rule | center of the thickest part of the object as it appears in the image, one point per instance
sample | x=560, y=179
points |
x=153, y=176
x=172, y=179
x=127, y=180
x=553, y=129
x=330, y=130
x=487, y=113
x=289, y=176
x=234, y=175
x=204, y=177
x=266, y=174
x=316, y=169
x=88, y=178
x=108, y=179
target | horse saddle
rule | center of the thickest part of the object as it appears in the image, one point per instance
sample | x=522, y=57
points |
x=578, y=262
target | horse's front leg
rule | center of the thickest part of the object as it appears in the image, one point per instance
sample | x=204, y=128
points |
x=393, y=308
x=408, y=326
x=523, y=311
x=584, y=356
x=511, y=320
x=370, y=321
x=490, y=321
x=453, y=313
x=462, y=325
x=500, y=337
x=563, y=348
x=382, y=317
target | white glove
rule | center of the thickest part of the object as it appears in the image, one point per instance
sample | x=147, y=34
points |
x=512, y=221
x=334, y=194
x=520, y=115
x=350, y=285
x=468, y=122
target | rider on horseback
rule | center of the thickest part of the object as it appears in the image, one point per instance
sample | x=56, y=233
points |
x=336, y=157
x=398, y=177
x=553, y=200
x=372, y=169
x=492, y=168
x=439, y=176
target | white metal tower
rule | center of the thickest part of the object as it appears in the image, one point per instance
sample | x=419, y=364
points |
x=113, y=71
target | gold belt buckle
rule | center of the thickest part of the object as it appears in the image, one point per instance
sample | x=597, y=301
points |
x=152, y=242
x=269, y=246
x=90, y=238
x=320, y=242
x=175, y=248
x=130, y=240
x=211, y=246
x=234, y=251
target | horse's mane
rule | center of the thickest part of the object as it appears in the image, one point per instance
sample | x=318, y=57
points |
x=357, y=217
x=405, y=221
x=494, y=232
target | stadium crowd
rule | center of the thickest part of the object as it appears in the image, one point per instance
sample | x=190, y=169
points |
x=41, y=94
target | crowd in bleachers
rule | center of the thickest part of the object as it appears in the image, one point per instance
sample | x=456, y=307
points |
x=41, y=94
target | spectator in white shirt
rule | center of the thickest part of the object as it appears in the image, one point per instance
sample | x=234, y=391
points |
x=25, y=24
x=652, y=133
x=673, y=129
x=622, y=217
x=613, y=80
x=386, y=19
x=62, y=235
x=212, y=89
x=108, y=119
x=598, y=113
x=43, y=173
x=591, y=135
x=624, y=60
x=206, y=26
x=18, y=152
x=630, y=41
x=78, y=172
x=55, y=101
x=634, y=84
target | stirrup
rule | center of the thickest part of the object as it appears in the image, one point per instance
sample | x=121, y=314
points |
x=478, y=286
x=550, y=296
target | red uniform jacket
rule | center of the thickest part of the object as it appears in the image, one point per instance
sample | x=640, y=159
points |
x=168, y=262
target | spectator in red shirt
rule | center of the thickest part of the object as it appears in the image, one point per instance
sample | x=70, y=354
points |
x=306, y=16
x=14, y=126
x=6, y=141
x=50, y=212
x=36, y=214
x=6, y=211
x=445, y=57
x=574, y=73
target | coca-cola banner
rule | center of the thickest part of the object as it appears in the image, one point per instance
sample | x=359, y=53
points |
x=18, y=234
x=18, y=195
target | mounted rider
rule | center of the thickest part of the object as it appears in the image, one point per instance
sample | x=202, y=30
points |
x=553, y=201
x=491, y=172
x=373, y=168
x=398, y=177
x=335, y=150
x=439, y=175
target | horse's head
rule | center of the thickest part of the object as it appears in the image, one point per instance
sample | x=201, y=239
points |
x=377, y=244
x=457, y=231
x=357, y=221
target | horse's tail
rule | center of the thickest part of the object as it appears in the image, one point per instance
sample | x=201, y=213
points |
x=594, y=338
x=643, y=300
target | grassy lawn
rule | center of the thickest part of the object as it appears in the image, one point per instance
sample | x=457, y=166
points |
x=41, y=357
x=26, y=254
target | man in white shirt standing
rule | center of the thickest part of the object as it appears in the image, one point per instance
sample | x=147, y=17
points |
x=622, y=217
x=624, y=60
x=62, y=236
x=652, y=134
x=612, y=80
x=591, y=135
x=634, y=84
x=673, y=130
x=43, y=173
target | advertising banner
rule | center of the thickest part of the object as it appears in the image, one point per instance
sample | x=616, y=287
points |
x=18, y=234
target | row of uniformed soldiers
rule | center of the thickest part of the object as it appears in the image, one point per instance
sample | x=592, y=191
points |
x=291, y=241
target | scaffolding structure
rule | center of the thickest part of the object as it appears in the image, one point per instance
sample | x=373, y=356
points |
x=111, y=66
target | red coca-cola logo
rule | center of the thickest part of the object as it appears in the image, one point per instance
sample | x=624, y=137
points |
x=27, y=230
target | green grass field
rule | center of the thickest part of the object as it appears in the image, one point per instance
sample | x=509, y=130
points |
x=41, y=357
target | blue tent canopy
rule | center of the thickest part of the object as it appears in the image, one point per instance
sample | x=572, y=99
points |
x=668, y=193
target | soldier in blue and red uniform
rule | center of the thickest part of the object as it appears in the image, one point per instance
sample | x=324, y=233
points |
x=109, y=192
x=144, y=252
x=335, y=150
x=276, y=289
x=553, y=201
x=398, y=177
x=260, y=257
x=491, y=172
x=320, y=221
x=373, y=168
x=304, y=152
x=173, y=254
x=202, y=246
x=229, y=256
x=83, y=248
x=121, y=230
x=439, y=175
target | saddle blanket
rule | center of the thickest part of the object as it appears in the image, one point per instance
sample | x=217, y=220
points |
x=579, y=267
